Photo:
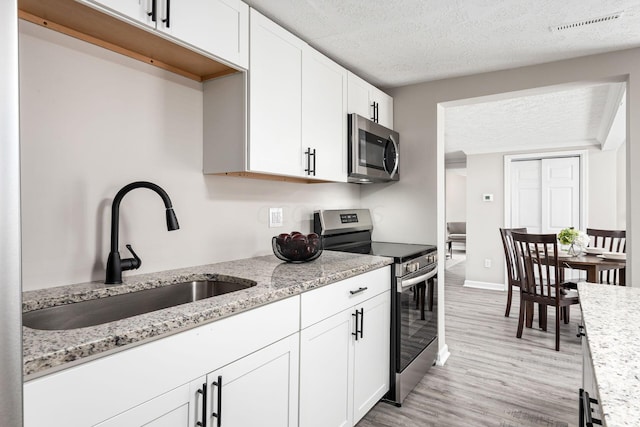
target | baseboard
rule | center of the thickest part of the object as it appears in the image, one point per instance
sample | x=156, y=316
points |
x=443, y=355
x=484, y=285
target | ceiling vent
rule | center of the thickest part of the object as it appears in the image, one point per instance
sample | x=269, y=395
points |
x=585, y=22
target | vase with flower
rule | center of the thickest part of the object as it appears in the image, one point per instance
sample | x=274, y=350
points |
x=576, y=239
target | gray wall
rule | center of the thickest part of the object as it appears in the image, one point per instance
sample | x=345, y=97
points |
x=417, y=112
x=485, y=174
x=93, y=121
x=456, y=195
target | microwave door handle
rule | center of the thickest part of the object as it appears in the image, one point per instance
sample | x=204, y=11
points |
x=395, y=163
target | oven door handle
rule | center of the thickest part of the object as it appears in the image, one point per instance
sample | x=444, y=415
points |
x=403, y=284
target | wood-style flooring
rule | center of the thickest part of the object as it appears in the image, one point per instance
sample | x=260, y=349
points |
x=492, y=378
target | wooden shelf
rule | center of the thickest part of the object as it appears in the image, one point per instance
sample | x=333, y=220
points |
x=90, y=25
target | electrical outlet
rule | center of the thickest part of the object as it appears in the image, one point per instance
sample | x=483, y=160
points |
x=487, y=263
x=275, y=217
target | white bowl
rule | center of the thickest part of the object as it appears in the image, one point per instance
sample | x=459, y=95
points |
x=595, y=251
x=618, y=256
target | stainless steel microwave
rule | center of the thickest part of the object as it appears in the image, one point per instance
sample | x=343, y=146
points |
x=374, y=151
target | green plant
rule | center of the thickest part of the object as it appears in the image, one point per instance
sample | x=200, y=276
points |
x=570, y=235
x=567, y=235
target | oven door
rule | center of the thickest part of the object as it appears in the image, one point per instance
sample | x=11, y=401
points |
x=416, y=314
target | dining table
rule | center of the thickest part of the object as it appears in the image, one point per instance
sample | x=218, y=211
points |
x=593, y=265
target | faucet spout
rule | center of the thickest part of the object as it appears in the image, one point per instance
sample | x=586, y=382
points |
x=115, y=265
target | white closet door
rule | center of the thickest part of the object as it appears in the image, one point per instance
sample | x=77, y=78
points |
x=526, y=195
x=560, y=194
x=545, y=194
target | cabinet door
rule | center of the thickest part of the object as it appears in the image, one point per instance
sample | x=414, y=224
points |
x=258, y=390
x=358, y=97
x=275, y=98
x=385, y=107
x=326, y=377
x=220, y=27
x=371, y=361
x=324, y=118
x=138, y=10
x=171, y=409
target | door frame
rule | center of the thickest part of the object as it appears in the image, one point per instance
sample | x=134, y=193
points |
x=583, y=155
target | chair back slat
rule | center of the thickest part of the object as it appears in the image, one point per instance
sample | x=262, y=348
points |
x=611, y=241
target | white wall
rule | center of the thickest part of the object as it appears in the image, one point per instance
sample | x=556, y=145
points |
x=93, y=121
x=419, y=118
x=606, y=188
x=621, y=187
x=456, y=195
x=484, y=176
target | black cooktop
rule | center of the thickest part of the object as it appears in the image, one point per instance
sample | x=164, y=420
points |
x=400, y=251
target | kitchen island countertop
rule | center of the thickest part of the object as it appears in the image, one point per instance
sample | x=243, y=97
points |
x=47, y=351
x=611, y=317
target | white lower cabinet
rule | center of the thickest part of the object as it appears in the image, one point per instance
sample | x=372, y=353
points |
x=590, y=409
x=344, y=359
x=258, y=390
x=156, y=383
x=371, y=358
x=171, y=409
x=326, y=355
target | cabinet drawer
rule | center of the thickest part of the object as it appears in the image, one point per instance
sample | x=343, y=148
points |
x=321, y=303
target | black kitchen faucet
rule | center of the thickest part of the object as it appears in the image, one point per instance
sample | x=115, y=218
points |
x=115, y=265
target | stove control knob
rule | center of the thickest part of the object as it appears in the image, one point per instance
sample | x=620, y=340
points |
x=412, y=267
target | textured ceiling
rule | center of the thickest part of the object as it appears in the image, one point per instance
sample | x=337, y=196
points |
x=397, y=42
x=392, y=43
x=577, y=117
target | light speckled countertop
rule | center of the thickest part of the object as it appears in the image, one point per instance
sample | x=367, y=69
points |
x=611, y=318
x=48, y=351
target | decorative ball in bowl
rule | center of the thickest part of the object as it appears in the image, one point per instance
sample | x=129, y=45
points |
x=297, y=247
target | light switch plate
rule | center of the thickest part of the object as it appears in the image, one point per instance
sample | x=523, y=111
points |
x=275, y=217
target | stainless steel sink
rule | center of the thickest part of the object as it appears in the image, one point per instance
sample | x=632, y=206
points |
x=117, y=307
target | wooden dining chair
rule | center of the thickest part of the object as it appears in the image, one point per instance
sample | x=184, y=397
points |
x=513, y=278
x=537, y=262
x=611, y=241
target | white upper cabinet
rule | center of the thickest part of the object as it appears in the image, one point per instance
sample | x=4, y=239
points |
x=324, y=115
x=383, y=105
x=219, y=27
x=275, y=98
x=368, y=101
x=358, y=97
x=138, y=10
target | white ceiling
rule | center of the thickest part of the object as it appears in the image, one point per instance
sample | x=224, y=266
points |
x=392, y=43
x=397, y=42
x=579, y=117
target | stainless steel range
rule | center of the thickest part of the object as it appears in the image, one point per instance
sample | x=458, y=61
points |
x=414, y=305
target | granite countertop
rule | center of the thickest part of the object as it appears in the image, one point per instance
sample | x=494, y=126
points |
x=611, y=317
x=47, y=351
